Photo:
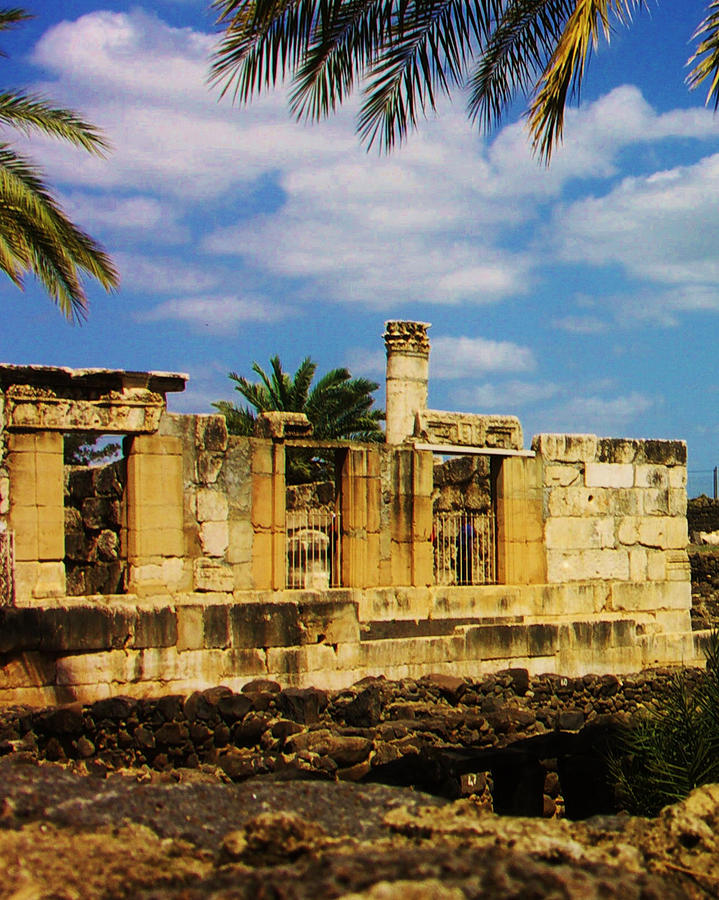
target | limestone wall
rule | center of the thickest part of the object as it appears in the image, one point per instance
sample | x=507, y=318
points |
x=615, y=512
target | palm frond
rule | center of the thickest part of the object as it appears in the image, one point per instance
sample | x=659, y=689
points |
x=564, y=72
x=517, y=51
x=706, y=56
x=427, y=54
x=29, y=112
x=39, y=238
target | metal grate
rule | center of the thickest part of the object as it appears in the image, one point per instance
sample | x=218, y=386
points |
x=313, y=548
x=464, y=548
x=7, y=568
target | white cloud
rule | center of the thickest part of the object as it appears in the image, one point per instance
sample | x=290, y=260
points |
x=215, y=314
x=426, y=224
x=165, y=275
x=581, y=324
x=505, y=397
x=125, y=214
x=662, y=227
x=604, y=415
x=463, y=357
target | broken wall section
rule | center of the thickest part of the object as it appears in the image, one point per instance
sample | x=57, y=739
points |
x=615, y=510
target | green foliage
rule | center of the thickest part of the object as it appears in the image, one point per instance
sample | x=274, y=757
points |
x=83, y=448
x=407, y=54
x=338, y=406
x=35, y=235
x=670, y=750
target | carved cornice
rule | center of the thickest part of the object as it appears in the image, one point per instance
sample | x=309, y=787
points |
x=435, y=426
x=407, y=337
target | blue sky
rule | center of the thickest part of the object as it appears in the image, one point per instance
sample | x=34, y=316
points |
x=580, y=297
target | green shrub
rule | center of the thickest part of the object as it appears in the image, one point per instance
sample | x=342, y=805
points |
x=668, y=751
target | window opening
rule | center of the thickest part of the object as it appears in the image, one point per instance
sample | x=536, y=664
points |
x=95, y=478
x=464, y=523
x=312, y=520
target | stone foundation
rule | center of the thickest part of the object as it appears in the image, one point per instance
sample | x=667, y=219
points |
x=80, y=650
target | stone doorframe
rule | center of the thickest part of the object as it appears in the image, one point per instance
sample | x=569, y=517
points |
x=38, y=405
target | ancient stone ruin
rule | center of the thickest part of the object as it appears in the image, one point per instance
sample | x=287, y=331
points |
x=452, y=548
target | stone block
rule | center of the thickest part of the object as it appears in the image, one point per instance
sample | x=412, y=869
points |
x=291, y=663
x=655, y=502
x=499, y=642
x=625, y=502
x=265, y=625
x=237, y=474
x=656, y=565
x=677, y=502
x=262, y=505
x=239, y=548
x=212, y=505
x=651, y=596
x=617, y=450
x=155, y=627
x=213, y=575
x=190, y=628
x=111, y=666
x=609, y=475
x=214, y=538
x=49, y=579
x=262, y=560
x=650, y=476
x=208, y=466
x=638, y=570
x=662, y=453
x=565, y=447
x=663, y=532
x=565, y=533
x=216, y=625
x=423, y=564
x=563, y=475
x=401, y=563
x=677, y=476
x=678, y=567
x=211, y=432
x=24, y=522
x=27, y=669
x=581, y=565
x=628, y=531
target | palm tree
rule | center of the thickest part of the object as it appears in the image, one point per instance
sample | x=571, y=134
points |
x=35, y=235
x=338, y=406
x=407, y=53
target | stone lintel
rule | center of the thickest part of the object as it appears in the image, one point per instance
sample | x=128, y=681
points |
x=435, y=426
x=87, y=383
x=280, y=425
x=132, y=411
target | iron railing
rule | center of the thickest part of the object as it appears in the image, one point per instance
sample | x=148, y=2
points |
x=464, y=548
x=314, y=549
x=7, y=568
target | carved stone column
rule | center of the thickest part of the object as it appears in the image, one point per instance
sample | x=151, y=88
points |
x=407, y=376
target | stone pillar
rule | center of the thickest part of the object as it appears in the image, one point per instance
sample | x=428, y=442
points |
x=360, y=497
x=411, y=525
x=407, y=376
x=155, y=536
x=269, y=553
x=520, y=522
x=37, y=513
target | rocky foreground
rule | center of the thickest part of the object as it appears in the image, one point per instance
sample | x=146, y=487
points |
x=273, y=793
x=186, y=835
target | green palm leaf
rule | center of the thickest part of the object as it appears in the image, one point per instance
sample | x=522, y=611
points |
x=338, y=406
x=35, y=234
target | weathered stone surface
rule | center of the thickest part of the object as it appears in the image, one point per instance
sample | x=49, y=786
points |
x=434, y=426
